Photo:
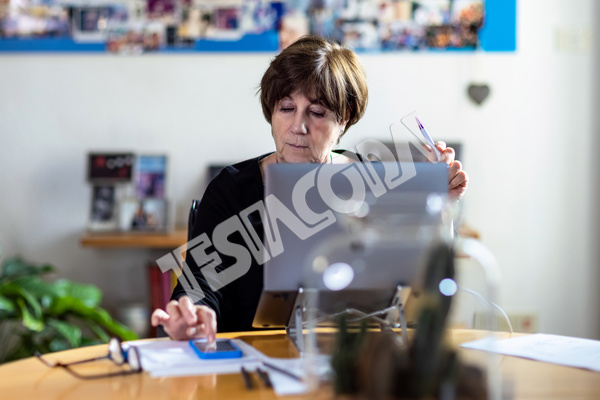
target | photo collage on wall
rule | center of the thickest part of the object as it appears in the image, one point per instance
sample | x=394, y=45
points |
x=138, y=26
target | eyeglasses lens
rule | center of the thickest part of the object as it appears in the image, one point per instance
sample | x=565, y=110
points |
x=115, y=351
x=133, y=357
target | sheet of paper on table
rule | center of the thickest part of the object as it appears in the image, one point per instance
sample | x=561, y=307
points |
x=555, y=349
x=176, y=358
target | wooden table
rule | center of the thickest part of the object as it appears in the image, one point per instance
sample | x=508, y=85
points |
x=30, y=379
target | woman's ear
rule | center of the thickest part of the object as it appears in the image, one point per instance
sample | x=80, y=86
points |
x=344, y=123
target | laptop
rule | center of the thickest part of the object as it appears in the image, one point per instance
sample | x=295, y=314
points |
x=311, y=209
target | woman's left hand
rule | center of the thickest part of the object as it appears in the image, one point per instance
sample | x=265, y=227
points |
x=458, y=180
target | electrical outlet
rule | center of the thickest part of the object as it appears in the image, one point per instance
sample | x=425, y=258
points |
x=574, y=39
x=521, y=322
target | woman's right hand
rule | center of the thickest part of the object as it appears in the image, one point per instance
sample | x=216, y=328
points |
x=182, y=320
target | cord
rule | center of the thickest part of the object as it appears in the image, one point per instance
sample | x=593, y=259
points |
x=489, y=303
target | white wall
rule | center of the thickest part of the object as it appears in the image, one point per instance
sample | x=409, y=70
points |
x=527, y=150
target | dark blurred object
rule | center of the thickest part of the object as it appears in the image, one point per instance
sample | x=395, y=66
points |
x=346, y=353
x=430, y=361
x=110, y=167
x=379, y=366
x=171, y=33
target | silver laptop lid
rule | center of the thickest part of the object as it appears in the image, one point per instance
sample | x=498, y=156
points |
x=307, y=205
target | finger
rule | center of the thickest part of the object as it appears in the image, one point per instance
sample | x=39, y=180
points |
x=447, y=155
x=209, y=321
x=206, y=325
x=458, y=192
x=461, y=179
x=159, y=317
x=453, y=169
x=188, y=310
x=431, y=155
x=441, y=145
x=194, y=332
x=172, y=309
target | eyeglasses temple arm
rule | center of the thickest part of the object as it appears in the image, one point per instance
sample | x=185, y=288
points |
x=98, y=376
x=59, y=364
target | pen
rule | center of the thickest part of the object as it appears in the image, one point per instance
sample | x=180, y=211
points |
x=247, y=378
x=264, y=376
x=425, y=133
x=283, y=371
x=428, y=137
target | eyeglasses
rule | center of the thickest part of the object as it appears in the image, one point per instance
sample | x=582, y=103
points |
x=116, y=353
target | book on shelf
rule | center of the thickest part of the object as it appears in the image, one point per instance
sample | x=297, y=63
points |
x=161, y=287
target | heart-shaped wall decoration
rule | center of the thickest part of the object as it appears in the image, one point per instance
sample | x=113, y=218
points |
x=478, y=93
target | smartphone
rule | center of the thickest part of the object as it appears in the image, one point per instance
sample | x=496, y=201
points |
x=222, y=348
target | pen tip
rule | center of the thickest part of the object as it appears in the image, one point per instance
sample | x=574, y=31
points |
x=419, y=122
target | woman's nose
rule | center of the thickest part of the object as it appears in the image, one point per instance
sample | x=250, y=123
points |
x=299, y=125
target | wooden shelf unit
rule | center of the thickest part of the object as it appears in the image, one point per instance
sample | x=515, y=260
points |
x=168, y=240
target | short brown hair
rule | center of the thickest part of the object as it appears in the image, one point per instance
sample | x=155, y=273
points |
x=322, y=71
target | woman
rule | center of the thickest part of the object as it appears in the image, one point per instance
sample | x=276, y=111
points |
x=311, y=94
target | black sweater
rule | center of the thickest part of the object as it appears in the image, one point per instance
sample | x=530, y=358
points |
x=235, y=188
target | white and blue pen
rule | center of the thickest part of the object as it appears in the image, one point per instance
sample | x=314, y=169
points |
x=428, y=138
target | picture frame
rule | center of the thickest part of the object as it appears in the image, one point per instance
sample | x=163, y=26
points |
x=103, y=210
x=110, y=168
x=151, y=215
x=150, y=176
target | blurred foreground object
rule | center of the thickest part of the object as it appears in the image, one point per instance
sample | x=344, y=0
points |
x=379, y=365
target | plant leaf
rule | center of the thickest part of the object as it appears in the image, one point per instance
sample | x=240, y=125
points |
x=29, y=321
x=38, y=287
x=89, y=295
x=6, y=304
x=16, y=267
x=13, y=289
x=102, y=317
x=69, y=331
x=63, y=305
x=98, y=331
x=58, y=344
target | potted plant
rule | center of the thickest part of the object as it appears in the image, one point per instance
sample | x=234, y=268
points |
x=43, y=315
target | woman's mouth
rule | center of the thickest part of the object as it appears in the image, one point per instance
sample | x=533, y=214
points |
x=297, y=146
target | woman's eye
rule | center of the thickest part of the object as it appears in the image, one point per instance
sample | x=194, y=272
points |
x=286, y=109
x=319, y=114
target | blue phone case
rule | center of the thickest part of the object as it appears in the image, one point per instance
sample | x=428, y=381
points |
x=235, y=352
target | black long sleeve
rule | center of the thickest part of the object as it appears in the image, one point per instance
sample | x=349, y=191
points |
x=235, y=188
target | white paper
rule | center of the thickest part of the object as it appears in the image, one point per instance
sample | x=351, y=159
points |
x=176, y=358
x=563, y=350
x=284, y=385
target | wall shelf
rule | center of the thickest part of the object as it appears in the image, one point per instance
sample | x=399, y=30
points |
x=167, y=240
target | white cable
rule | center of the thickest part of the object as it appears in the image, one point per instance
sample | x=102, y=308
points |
x=486, y=260
x=489, y=303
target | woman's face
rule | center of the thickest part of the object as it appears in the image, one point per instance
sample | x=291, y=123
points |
x=304, y=130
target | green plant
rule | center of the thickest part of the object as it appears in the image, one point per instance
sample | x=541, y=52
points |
x=38, y=314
